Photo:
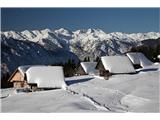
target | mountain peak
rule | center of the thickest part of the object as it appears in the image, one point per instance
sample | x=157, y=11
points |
x=46, y=30
x=64, y=31
x=90, y=30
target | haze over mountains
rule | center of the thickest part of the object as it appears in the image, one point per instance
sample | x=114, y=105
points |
x=51, y=46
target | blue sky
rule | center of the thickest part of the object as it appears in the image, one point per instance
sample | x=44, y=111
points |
x=126, y=20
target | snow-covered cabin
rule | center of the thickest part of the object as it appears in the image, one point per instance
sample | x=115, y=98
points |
x=108, y=65
x=18, y=78
x=86, y=68
x=38, y=77
x=46, y=76
x=139, y=59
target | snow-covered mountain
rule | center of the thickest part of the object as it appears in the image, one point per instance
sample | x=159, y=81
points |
x=15, y=53
x=89, y=42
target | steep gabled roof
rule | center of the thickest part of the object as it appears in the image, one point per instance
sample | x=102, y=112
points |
x=12, y=75
x=100, y=65
x=89, y=67
x=139, y=58
x=117, y=64
x=46, y=76
x=24, y=68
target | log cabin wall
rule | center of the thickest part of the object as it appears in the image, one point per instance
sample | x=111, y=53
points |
x=17, y=77
x=19, y=80
x=80, y=71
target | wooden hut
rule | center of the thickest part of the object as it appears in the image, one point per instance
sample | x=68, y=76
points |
x=109, y=65
x=138, y=59
x=18, y=78
x=102, y=70
x=38, y=77
x=46, y=77
x=133, y=56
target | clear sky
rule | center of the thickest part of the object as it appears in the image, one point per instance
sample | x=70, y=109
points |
x=108, y=19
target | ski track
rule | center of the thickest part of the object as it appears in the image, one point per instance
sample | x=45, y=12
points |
x=91, y=100
x=2, y=97
x=99, y=106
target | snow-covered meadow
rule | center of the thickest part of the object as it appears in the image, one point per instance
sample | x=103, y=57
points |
x=121, y=93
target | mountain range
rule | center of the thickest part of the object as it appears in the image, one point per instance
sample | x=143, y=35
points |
x=52, y=46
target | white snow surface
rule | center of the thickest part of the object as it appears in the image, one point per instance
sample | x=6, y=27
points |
x=46, y=76
x=139, y=58
x=89, y=67
x=121, y=93
x=24, y=68
x=117, y=64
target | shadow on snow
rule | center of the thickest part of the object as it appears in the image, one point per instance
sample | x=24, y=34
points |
x=70, y=82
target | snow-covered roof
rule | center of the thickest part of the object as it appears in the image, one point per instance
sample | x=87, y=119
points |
x=46, y=76
x=24, y=68
x=139, y=58
x=133, y=57
x=117, y=64
x=144, y=61
x=89, y=67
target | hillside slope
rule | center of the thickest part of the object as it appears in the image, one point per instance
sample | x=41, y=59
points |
x=15, y=53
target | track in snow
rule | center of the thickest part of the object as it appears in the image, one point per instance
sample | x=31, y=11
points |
x=97, y=104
